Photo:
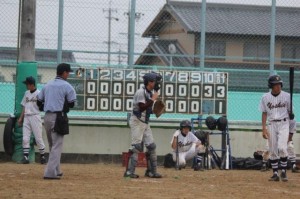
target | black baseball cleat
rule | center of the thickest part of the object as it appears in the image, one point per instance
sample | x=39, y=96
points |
x=198, y=167
x=130, y=175
x=60, y=174
x=25, y=160
x=43, y=160
x=295, y=169
x=283, y=177
x=51, y=178
x=152, y=175
x=275, y=177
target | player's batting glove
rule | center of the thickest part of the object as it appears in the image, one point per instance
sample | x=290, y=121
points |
x=291, y=116
x=176, y=133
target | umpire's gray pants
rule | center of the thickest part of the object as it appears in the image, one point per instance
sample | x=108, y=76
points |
x=55, y=141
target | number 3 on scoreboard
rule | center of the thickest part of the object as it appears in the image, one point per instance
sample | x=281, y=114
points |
x=221, y=91
x=208, y=91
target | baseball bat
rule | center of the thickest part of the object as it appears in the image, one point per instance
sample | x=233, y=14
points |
x=227, y=157
x=177, y=155
x=292, y=69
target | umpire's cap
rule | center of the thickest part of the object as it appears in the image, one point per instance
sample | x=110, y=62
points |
x=61, y=68
x=273, y=80
x=29, y=80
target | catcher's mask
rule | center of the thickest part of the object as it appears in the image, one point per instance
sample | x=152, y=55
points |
x=185, y=123
x=211, y=123
x=273, y=80
x=156, y=77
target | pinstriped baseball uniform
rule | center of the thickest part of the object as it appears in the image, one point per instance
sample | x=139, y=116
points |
x=277, y=109
x=290, y=147
x=32, y=121
x=186, y=147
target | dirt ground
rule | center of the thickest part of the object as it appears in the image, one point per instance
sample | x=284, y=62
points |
x=106, y=181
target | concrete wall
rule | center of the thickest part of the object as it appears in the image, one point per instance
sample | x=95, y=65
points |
x=115, y=140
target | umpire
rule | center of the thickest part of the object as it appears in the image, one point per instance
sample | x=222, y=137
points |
x=57, y=96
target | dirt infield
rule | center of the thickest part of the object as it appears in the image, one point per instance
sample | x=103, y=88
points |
x=106, y=181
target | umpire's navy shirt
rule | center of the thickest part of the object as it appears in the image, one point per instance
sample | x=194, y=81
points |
x=54, y=92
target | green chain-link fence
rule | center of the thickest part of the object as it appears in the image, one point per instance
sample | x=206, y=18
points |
x=231, y=36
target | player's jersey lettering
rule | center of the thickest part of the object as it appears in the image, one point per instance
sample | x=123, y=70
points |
x=279, y=105
x=181, y=144
x=31, y=100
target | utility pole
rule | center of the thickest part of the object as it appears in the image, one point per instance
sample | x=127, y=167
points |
x=110, y=18
x=27, y=37
x=25, y=68
x=137, y=17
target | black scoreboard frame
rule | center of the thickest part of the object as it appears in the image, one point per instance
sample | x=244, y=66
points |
x=184, y=92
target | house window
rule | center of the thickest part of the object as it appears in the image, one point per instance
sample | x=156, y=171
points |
x=290, y=52
x=256, y=52
x=215, y=50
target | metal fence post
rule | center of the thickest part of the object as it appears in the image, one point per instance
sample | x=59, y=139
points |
x=203, y=26
x=272, y=39
x=60, y=31
x=131, y=33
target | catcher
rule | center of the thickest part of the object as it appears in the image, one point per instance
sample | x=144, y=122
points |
x=140, y=129
x=186, y=146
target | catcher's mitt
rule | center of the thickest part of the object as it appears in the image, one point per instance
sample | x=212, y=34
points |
x=158, y=108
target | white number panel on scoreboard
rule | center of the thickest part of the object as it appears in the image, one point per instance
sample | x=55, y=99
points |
x=186, y=92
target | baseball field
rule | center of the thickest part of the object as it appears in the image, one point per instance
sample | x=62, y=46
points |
x=106, y=181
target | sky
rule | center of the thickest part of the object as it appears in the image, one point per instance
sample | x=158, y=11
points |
x=86, y=25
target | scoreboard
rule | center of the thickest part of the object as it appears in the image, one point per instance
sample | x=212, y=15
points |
x=187, y=92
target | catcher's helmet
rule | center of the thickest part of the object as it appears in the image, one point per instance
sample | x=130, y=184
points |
x=152, y=76
x=274, y=79
x=185, y=123
x=222, y=123
x=149, y=77
x=211, y=123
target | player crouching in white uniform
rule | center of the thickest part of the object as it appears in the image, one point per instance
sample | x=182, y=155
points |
x=31, y=120
x=186, y=146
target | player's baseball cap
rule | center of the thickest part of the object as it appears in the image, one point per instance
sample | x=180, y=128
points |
x=63, y=67
x=29, y=80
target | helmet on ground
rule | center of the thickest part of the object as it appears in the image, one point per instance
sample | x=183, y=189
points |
x=185, y=123
x=273, y=80
x=211, y=123
x=222, y=123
